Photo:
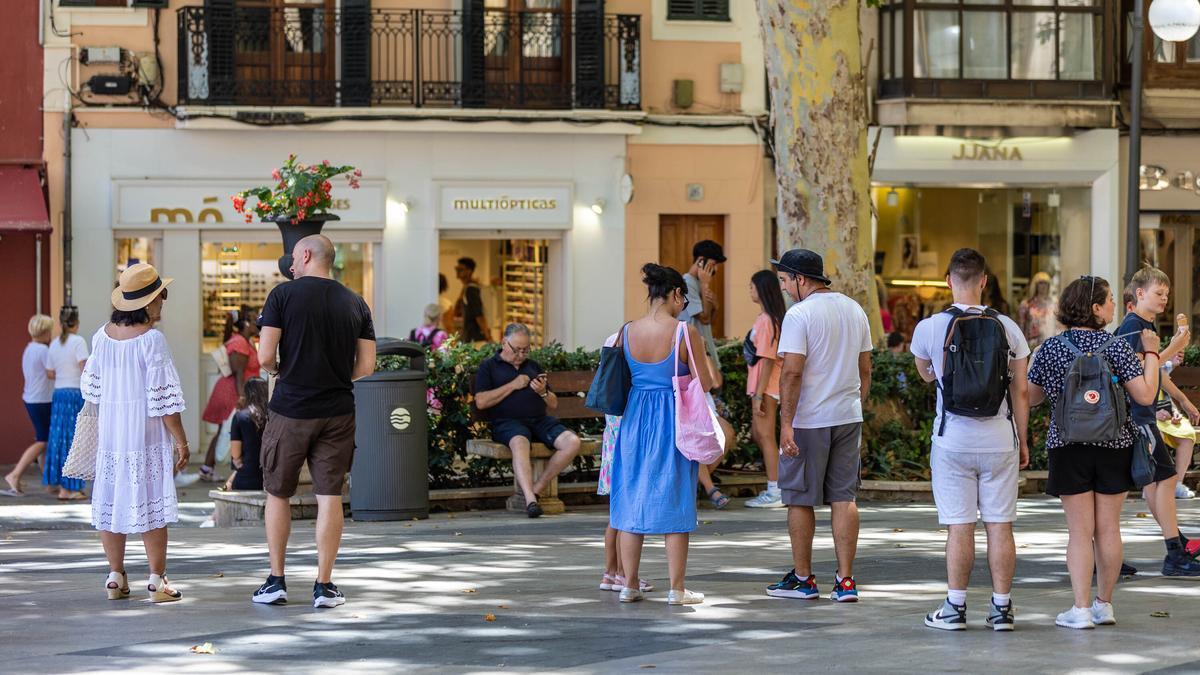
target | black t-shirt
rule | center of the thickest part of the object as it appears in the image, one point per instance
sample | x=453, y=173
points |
x=322, y=322
x=472, y=310
x=250, y=476
x=1131, y=330
x=521, y=404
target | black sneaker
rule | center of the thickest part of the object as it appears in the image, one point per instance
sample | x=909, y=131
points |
x=1128, y=570
x=533, y=510
x=1000, y=617
x=792, y=586
x=948, y=617
x=273, y=592
x=1180, y=565
x=327, y=595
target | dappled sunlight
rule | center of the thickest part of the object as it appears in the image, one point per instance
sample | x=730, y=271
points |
x=420, y=595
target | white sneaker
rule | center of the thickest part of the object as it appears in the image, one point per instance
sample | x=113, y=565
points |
x=1183, y=492
x=1102, y=613
x=186, y=479
x=684, y=597
x=1076, y=617
x=766, y=499
x=631, y=595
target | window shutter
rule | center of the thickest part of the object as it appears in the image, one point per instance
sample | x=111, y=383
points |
x=356, y=52
x=714, y=10
x=589, y=53
x=474, y=88
x=698, y=10
x=220, y=28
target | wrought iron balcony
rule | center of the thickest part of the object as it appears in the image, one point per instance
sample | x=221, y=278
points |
x=358, y=56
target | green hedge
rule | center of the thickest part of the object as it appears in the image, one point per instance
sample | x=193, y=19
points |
x=899, y=415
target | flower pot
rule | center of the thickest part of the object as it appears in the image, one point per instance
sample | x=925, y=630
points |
x=294, y=232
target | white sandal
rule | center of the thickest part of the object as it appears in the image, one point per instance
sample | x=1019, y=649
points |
x=160, y=589
x=117, y=586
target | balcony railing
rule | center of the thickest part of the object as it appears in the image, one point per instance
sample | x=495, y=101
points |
x=302, y=56
x=1032, y=49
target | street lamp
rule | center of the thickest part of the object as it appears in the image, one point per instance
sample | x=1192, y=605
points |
x=1172, y=21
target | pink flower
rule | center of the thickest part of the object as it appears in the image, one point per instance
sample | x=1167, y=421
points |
x=239, y=203
x=358, y=173
x=325, y=162
x=275, y=175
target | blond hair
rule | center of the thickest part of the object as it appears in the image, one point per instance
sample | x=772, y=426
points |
x=39, y=324
x=1146, y=277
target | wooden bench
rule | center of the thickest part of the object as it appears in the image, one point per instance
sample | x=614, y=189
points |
x=570, y=386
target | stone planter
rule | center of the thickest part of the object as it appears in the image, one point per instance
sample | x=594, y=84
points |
x=294, y=232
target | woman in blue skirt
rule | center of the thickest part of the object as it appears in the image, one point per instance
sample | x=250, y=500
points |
x=653, y=485
x=64, y=364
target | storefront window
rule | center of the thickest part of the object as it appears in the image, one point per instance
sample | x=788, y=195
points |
x=1021, y=232
x=133, y=250
x=238, y=275
x=512, y=276
x=1172, y=247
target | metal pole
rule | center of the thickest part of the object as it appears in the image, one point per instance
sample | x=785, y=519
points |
x=1133, y=199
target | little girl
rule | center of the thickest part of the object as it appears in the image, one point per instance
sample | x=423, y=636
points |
x=245, y=438
x=614, y=577
x=1177, y=432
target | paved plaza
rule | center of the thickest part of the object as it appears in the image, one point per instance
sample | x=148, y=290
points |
x=420, y=595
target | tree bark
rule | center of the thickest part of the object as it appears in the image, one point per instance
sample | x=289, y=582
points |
x=818, y=107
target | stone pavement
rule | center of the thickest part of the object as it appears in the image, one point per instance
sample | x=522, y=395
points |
x=419, y=594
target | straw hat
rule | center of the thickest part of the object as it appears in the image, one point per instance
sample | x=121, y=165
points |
x=137, y=287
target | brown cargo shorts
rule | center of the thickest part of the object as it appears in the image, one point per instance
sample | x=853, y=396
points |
x=326, y=443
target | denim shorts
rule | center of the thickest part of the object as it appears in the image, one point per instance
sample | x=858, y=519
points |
x=39, y=414
x=544, y=430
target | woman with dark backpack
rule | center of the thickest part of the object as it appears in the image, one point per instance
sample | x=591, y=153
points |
x=1091, y=447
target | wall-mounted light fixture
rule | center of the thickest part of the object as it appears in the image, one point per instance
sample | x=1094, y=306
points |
x=893, y=198
x=598, y=205
x=406, y=205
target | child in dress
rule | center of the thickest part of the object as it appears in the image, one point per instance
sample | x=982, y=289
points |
x=614, y=577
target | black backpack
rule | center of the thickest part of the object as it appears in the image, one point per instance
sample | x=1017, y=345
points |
x=975, y=377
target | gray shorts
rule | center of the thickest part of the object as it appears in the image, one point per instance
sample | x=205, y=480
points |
x=827, y=468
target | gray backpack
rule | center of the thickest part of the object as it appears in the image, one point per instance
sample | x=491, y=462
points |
x=1092, y=407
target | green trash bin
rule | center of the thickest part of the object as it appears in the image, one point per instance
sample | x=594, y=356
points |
x=389, y=479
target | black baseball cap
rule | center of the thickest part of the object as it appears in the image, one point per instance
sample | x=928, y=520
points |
x=709, y=250
x=803, y=262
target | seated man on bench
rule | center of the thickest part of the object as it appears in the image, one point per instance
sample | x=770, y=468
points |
x=513, y=392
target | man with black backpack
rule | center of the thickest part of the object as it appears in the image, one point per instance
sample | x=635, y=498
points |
x=979, y=359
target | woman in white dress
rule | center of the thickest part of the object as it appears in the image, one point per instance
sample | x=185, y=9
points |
x=142, y=443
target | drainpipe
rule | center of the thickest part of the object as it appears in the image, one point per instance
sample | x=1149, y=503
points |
x=66, y=219
x=1133, y=200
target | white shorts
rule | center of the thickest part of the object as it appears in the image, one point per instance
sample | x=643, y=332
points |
x=970, y=485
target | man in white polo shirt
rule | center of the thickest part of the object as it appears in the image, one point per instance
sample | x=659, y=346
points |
x=979, y=359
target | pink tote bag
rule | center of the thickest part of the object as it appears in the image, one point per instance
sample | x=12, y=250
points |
x=698, y=436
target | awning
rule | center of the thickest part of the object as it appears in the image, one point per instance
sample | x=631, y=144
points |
x=22, y=201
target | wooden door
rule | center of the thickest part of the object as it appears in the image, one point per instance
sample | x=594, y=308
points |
x=676, y=236
x=285, y=52
x=527, y=52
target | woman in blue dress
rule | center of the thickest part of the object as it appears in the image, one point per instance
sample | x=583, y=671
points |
x=653, y=485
